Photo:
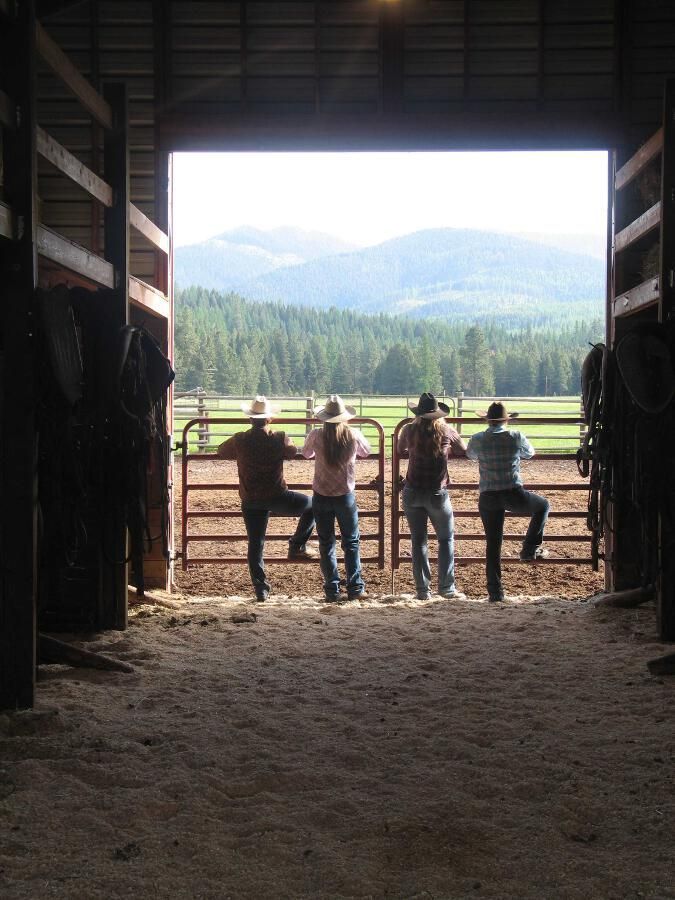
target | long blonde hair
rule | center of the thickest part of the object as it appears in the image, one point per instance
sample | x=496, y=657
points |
x=338, y=442
x=426, y=435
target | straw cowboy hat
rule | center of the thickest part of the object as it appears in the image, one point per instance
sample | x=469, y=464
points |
x=260, y=408
x=429, y=407
x=497, y=412
x=334, y=410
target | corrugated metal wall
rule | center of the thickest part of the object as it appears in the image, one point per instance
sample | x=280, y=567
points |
x=454, y=72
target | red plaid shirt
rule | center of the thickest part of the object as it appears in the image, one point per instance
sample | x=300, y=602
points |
x=338, y=480
x=260, y=455
x=425, y=471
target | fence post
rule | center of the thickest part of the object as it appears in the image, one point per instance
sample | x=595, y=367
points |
x=460, y=410
x=582, y=423
x=361, y=405
x=202, y=412
x=309, y=411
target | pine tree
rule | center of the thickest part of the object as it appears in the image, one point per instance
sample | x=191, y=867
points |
x=477, y=374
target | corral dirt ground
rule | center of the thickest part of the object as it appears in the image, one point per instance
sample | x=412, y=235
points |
x=385, y=748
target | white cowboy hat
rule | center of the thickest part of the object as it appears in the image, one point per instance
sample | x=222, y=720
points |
x=334, y=410
x=429, y=407
x=260, y=408
x=497, y=412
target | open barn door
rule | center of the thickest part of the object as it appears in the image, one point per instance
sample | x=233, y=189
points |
x=640, y=326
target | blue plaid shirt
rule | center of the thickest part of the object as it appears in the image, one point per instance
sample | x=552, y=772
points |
x=499, y=451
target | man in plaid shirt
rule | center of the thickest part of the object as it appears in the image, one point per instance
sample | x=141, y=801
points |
x=499, y=451
x=260, y=454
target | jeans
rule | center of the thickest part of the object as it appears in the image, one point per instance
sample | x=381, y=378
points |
x=326, y=511
x=492, y=506
x=419, y=506
x=256, y=516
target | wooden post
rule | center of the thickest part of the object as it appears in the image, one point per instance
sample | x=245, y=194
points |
x=202, y=413
x=665, y=592
x=114, y=576
x=309, y=411
x=18, y=438
x=460, y=410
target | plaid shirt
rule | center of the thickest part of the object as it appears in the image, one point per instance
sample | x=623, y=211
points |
x=334, y=481
x=260, y=455
x=427, y=472
x=499, y=451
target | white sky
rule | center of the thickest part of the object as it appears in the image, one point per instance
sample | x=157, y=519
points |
x=366, y=198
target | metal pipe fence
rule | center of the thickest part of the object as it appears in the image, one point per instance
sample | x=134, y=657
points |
x=190, y=487
x=398, y=516
x=388, y=410
x=397, y=536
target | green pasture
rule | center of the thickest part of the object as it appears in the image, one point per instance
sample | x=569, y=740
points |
x=389, y=411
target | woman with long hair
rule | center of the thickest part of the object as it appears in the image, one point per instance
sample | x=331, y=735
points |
x=427, y=442
x=336, y=447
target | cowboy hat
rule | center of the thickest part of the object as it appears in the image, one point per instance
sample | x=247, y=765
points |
x=429, y=407
x=334, y=410
x=497, y=412
x=260, y=408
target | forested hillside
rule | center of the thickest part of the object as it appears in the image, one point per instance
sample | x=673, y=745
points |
x=462, y=273
x=230, y=345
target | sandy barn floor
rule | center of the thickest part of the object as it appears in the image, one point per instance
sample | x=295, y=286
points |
x=385, y=748
x=388, y=748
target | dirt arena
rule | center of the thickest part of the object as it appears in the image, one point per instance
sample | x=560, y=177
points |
x=386, y=748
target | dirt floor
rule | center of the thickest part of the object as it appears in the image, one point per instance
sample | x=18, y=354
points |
x=386, y=748
x=567, y=581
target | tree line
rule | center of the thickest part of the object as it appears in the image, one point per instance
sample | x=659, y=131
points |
x=229, y=345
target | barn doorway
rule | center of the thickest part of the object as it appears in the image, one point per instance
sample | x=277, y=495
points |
x=281, y=249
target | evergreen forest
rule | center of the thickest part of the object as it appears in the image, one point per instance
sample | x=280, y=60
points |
x=227, y=344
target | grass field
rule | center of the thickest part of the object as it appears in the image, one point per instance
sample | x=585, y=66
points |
x=389, y=411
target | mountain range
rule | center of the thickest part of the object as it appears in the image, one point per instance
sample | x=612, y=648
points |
x=460, y=274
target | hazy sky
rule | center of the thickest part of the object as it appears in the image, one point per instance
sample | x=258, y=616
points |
x=370, y=197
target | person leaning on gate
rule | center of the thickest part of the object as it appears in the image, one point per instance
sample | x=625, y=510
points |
x=427, y=442
x=336, y=447
x=499, y=450
x=260, y=454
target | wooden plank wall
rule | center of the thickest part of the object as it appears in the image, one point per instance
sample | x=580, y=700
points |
x=107, y=41
x=474, y=72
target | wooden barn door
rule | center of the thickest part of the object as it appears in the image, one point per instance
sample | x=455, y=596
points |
x=641, y=289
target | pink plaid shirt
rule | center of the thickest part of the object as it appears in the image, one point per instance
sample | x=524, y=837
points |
x=333, y=481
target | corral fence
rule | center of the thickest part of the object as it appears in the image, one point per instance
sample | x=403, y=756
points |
x=220, y=427
x=401, y=535
x=192, y=486
x=555, y=433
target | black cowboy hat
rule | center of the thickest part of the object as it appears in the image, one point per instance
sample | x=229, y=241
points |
x=429, y=407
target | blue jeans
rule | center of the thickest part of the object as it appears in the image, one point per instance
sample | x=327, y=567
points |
x=326, y=511
x=492, y=506
x=256, y=515
x=420, y=506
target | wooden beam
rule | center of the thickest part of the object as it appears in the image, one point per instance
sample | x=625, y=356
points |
x=662, y=665
x=148, y=229
x=640, y=297
x=665, y=586
x=72, y=168
x=114, y=578
x=6, y=222
x=146, y=297
x=53, y=650
x=57, y=60
x=627, y=599
x=18, y=364
x=66, y=253
x=637, y=229
x=636, y=163
x=7, y=111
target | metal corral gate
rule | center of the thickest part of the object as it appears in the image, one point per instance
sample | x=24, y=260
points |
x=397, y=514
x=196, y=425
